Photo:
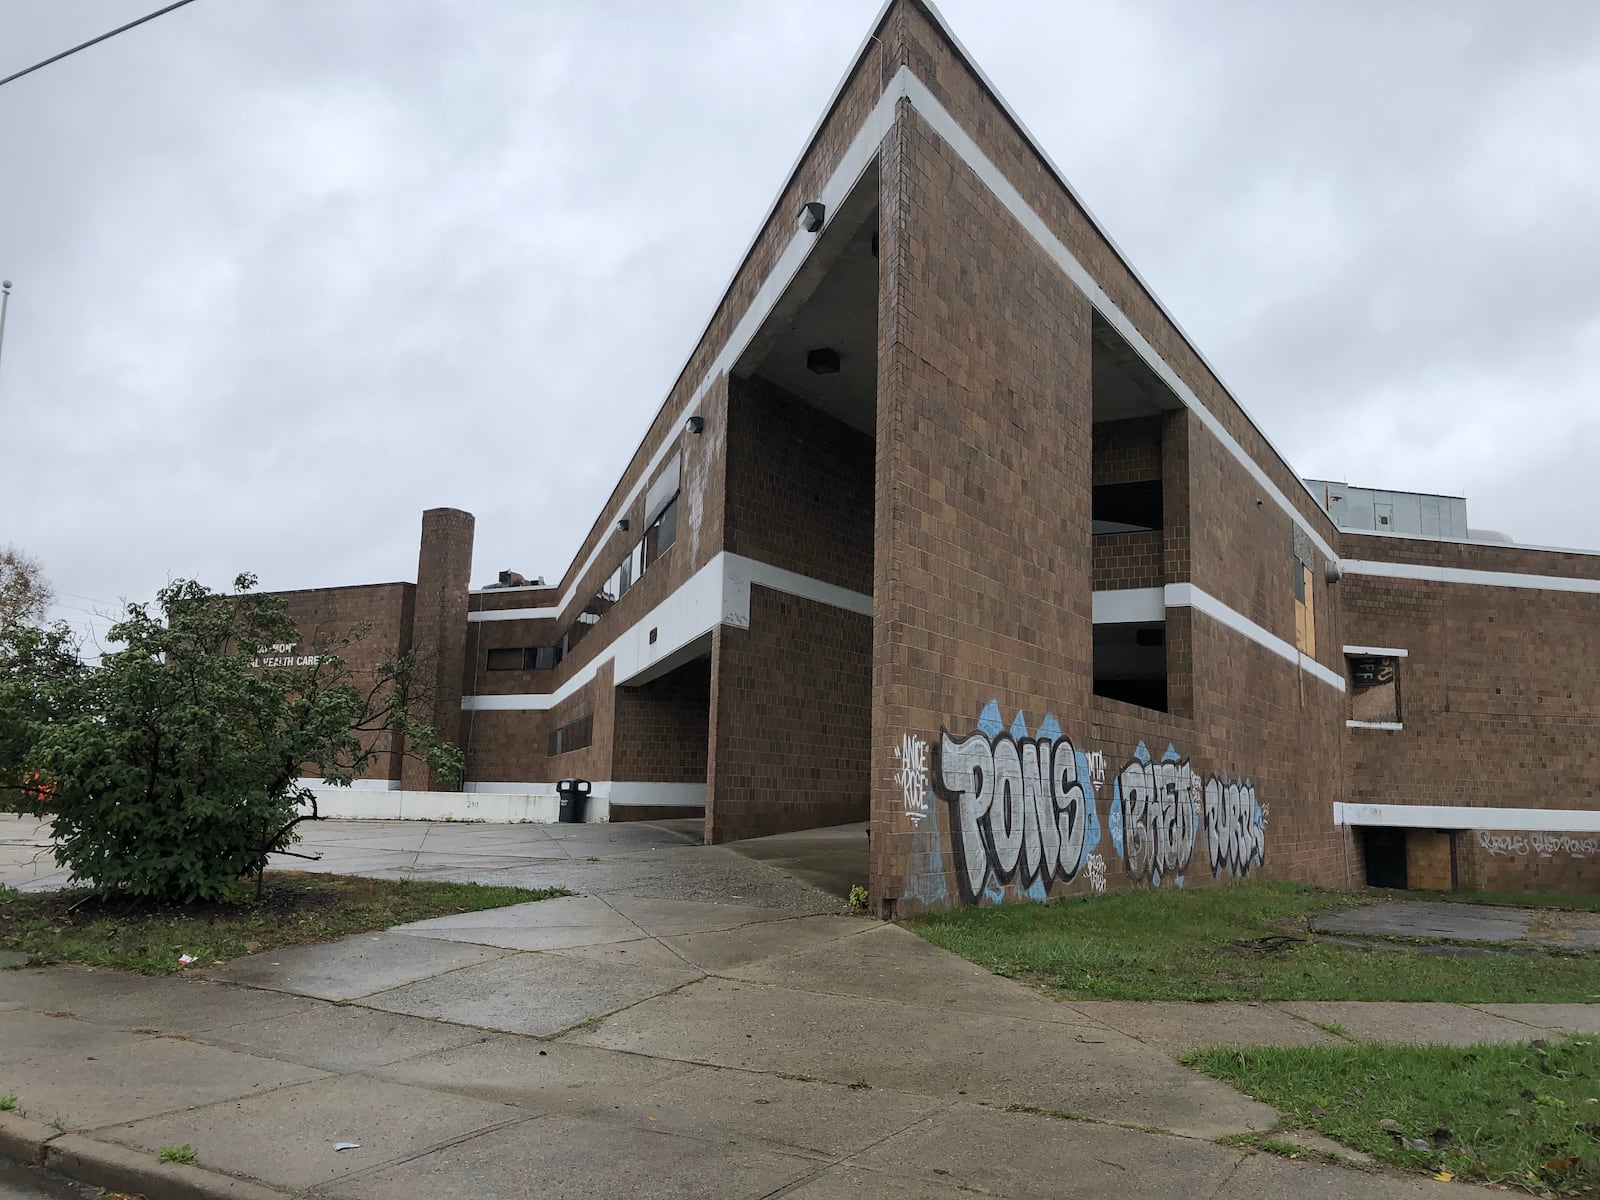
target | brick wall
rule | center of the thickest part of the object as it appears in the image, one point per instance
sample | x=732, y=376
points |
x=439, y=630
x=790, y=719
x=1499, y=699
x=327, y=616
x=799, y=487
x=984, y=570
x=663, y=727
x=1127, y=451
x=1129, y=560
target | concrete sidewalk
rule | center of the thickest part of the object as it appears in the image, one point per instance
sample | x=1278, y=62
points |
x=644, y=1039
x=655, y=1047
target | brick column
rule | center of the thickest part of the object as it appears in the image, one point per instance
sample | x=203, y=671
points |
x=439, y=630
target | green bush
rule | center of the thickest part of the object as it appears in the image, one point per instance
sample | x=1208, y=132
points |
x=172, y=766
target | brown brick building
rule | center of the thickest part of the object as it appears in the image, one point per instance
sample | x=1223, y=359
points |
x=945, y=523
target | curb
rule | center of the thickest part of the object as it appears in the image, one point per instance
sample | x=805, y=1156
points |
x=117, y=1168
x=22, y=1140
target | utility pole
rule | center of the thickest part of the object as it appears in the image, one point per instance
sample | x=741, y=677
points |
x=5, y=300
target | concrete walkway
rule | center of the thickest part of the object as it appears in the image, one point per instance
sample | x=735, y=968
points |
x=644, y=1038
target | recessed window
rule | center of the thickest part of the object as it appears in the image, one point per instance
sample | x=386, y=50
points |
x=1374, y=688
x=1305, y=610
x=523, y=658
x=574, y=735
x=1127, y=507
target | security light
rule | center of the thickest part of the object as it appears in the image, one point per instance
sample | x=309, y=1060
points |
x=622, y=525
x=812, y=216
x=824, y=360
x=695, y=424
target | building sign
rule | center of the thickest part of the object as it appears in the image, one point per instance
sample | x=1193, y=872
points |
x=282, y=654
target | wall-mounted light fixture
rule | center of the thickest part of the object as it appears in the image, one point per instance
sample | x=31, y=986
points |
x=812, y=216
x=622, y=525
x=695, y=424
x=1333, y=572
x=824, y=360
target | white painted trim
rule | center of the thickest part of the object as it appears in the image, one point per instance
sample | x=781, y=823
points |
x=1467, y=541
x=499, y=808
x=646, y=795
x=995, y=180
x=717, y=594
x=1391, y=725
x=523, y=587
x=1186, y=595
x=1376, y=651
x=1505, y=579
x=1123, y=606
x=356, y=785
x=742, y=572
x=514, y=614
x=1455, y=816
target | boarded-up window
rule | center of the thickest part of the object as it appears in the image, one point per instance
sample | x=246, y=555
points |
x=1374, y=688
x=1305, y=611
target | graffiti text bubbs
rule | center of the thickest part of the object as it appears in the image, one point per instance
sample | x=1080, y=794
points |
x=1014, y=803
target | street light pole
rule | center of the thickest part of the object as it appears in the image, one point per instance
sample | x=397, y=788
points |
x=5, y=300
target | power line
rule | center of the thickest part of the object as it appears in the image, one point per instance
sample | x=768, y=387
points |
x=93, y=41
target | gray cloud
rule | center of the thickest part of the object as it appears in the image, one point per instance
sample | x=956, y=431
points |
x=290, y=272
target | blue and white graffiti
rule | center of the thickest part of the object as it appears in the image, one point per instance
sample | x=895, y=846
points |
x=1155, y=815
x=1021, y=806
x=1236, y=826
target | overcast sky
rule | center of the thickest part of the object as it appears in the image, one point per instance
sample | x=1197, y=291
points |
x=290, y=271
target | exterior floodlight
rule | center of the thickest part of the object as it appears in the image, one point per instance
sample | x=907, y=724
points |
x=622, y=525
x=695, y=424
x=823, y=361
x=812, y=216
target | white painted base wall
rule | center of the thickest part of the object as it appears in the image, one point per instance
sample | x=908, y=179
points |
x=497, y=803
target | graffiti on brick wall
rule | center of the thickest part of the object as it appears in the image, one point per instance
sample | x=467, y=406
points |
x=1545, y=845
x=1155, y=815
x=1236, y=826
x=911, y=774
x=1020, y=814
x=1021, y=806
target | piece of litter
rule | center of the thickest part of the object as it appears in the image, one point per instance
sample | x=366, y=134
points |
x=185, y=959
x=337, y=1146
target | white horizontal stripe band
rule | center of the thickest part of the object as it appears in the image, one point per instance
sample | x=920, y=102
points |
x=1389, y=725
x=1505, y=579
x=1186, y=595
x=514, y=614
x=1458, y=816
x=1125, y=606
x=717, y=594
x=1377, y=651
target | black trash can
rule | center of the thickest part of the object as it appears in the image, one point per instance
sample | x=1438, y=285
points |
x=574, y=795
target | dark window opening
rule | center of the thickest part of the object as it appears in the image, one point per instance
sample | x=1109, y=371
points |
x=523, y=658
x=657, y=540
x=575, y=735
x=1130, y=664
x=1127, y=507
x=1385, y=854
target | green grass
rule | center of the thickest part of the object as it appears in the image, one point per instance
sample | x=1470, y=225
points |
x=1247, y=942
x=8, y=1104
x=295, y=908
x=178, y=1154
x=1525, y=1116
